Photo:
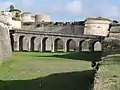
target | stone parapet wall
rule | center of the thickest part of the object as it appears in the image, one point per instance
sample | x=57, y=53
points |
x=66, y=29
x=55, y=34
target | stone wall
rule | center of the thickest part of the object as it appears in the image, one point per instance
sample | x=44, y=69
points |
x=112, y=42
x=97, y=27
x=5, y=45
x=65, y=29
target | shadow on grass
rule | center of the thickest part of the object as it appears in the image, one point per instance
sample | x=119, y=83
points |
x=60, y=81
x=86, y=56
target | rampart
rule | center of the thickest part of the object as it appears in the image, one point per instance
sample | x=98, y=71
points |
x=5, y=44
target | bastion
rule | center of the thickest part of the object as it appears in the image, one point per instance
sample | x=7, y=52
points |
x=5, y=45
x=97, y=26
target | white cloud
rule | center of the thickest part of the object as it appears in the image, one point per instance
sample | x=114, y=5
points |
x=113, y=12
x=89, y=8
x=74, y=7
x=71, y=9
x=104, y=8
x=26, y=5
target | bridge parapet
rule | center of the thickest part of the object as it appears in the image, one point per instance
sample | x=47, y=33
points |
x=55, y=34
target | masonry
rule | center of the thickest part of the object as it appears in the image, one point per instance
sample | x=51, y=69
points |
x=46, y=41
x=39, y=33
x=5, y=46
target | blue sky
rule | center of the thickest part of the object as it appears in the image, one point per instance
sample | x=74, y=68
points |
x=68, y=10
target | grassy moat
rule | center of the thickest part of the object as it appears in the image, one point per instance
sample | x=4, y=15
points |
x=47, y=71
x=58, y=71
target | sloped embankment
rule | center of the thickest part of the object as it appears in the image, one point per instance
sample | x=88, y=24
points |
x=108, y=76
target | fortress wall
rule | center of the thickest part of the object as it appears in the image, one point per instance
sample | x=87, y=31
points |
x=32, y=26
x=65, y=29
x=115, y=28
x=71, y=29
x=5, y=44
x=57, y=28
x=115, y=31
x=115, y=35
x=27, y=26
x=16, y=24
x=79, y=29
x=48, y=28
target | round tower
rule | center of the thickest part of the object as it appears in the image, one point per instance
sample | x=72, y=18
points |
x=38, y=18
x=42, y=18
x=26, y=17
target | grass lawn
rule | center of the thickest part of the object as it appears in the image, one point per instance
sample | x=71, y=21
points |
x=110, y=72
x=47, y=71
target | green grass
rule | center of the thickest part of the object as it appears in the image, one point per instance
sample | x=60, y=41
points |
x=110, y=72
x=99, y=18
x=47, y=71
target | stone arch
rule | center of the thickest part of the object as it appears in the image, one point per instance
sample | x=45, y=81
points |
x=58, y=44
x=84, y=45
x=44, y=44
x=97, y=46
x=71, y=45
x=32, y=43
x=21, y=42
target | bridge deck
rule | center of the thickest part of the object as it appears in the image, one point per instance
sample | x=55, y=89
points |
x=54, y=34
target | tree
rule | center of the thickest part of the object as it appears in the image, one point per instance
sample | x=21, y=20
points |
x=114, y=21
x=11, y=7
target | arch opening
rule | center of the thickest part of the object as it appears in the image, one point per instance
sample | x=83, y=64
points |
x=97, y=46
x=44, y=44
x=32, y=44
x=71, y=45
x=21, y=43
x=58, y=45
x=84, y=45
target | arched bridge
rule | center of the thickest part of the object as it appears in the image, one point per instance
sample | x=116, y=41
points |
x=23, y=40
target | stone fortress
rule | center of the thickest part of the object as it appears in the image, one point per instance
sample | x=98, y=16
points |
x=39, y=33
